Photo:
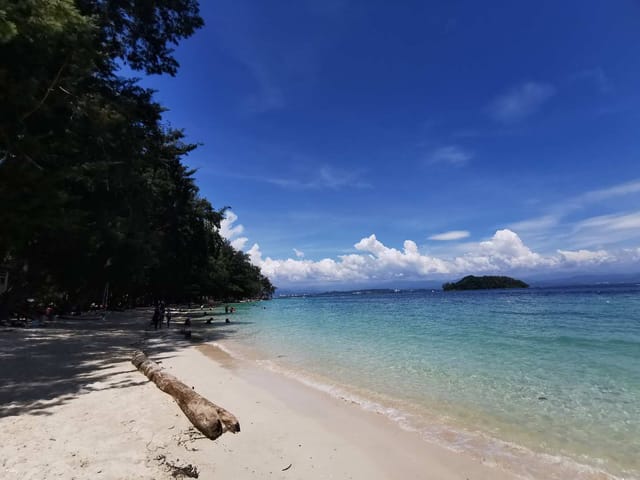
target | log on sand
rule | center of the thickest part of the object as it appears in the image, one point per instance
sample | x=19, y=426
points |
x=206, y=416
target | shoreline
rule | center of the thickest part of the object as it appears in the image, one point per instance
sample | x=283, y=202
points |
x=80, y=409
x=444, y=439
x=319, y=435
x=465, y=399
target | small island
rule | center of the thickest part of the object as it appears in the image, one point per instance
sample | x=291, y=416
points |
x=471, y=282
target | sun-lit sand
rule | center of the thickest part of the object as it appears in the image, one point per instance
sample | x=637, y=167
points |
x=73, y=406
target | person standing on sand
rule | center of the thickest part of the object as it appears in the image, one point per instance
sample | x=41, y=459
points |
x=168, y=315
x=156, y=318
x=161, y=317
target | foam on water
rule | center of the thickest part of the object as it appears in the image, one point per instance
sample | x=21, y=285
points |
x=543, y=383
x=491, y=451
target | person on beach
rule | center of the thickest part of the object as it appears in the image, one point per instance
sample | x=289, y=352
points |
x=226, y=320
x=187, y=328
x=156, y=317
x=168, y=315
x=49, y=312
x=226, y=309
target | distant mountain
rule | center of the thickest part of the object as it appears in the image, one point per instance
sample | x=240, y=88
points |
x=586, y=279
x=539, y=280
x=471, y=282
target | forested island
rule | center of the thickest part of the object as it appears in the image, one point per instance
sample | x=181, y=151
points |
x=471, y=282
x=96, y=201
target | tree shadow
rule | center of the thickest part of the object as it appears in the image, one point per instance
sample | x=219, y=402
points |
x=47, y=367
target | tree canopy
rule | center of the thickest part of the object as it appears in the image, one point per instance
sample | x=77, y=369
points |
x=93, y=185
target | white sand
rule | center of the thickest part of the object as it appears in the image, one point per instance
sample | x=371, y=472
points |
x=110, y=422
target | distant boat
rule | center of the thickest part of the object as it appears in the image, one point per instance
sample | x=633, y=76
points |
x=396, y=290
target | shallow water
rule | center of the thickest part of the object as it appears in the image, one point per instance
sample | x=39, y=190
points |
x=500, y=374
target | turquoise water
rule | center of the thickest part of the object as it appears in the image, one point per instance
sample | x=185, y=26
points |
x=538, y=375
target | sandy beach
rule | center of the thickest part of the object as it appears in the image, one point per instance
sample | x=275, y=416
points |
x=73, y=406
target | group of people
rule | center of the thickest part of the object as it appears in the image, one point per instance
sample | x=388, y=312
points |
x=160, y=314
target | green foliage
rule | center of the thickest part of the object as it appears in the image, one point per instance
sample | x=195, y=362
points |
x=471, y=282
x=92, y=185
x=142, y=33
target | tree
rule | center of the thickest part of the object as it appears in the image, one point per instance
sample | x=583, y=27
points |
x=93, y=188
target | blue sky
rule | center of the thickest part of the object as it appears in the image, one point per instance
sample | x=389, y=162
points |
x=497, y=137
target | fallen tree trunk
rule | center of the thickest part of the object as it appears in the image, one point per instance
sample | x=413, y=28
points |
x=206, y=416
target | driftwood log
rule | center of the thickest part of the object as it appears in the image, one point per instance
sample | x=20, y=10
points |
x=206, y=416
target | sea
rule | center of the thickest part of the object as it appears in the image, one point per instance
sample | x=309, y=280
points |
x=543, y=382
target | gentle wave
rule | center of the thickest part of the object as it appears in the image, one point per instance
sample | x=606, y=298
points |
x=491, y=451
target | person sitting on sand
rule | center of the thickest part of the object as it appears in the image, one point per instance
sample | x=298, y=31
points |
x=226, y=320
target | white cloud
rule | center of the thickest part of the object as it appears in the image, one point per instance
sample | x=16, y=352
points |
x=611, y=222
x=255, y=255
x=451, y=154
x=452, y=235
x=605, y=230
x=326, y=177
x=521, y=102
x=585, y=257
x=535, y=224
x=562, y=208
x=621, y=189
x=504, y=252
x=239, y=243
x=227, y=229
x=232, y=232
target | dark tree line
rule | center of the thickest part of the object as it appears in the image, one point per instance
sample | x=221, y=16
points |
x=471, y=282
x=93, y=188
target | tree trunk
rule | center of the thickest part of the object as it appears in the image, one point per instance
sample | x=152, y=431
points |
x=206, y=416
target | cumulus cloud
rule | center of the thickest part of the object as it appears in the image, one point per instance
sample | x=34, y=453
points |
x=520, y=102
x=233, y=232
x=239, y=243
x=452, y=235
x=585, y=257
x=451, y=154
x=504, y=252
